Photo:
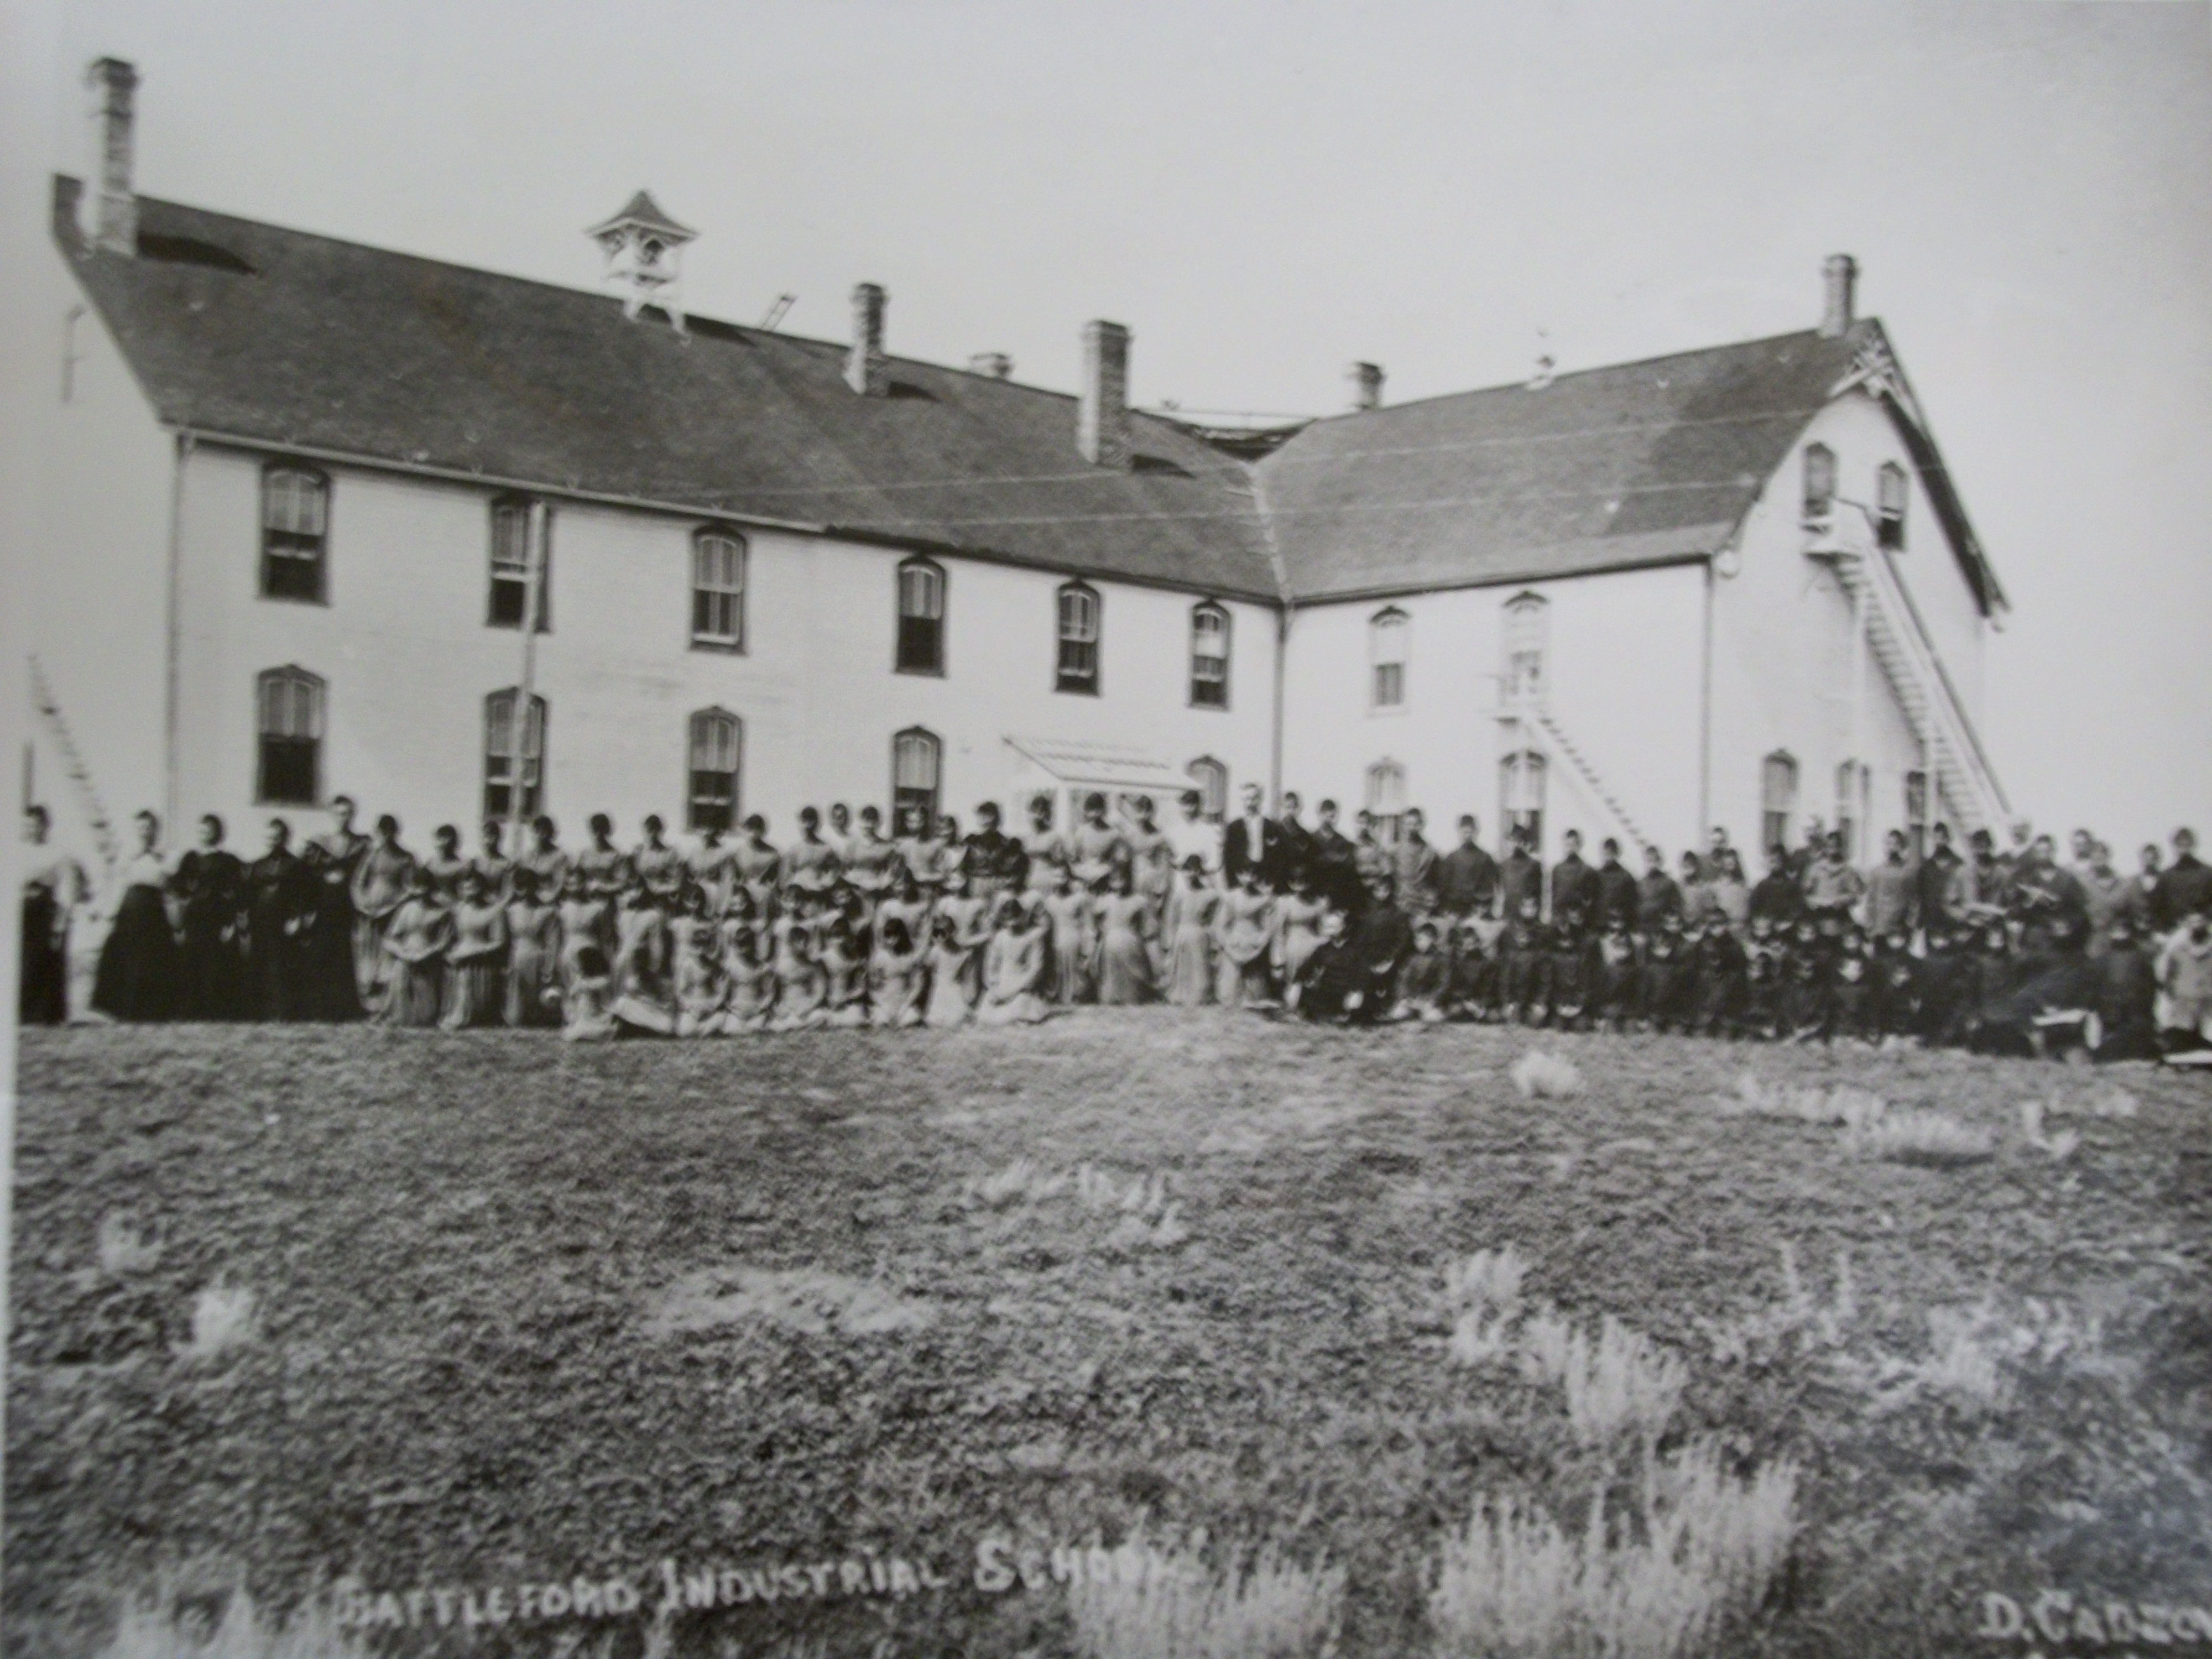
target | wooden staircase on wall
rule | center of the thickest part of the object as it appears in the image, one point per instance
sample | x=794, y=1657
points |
x=80, y=775
x=1898, y=639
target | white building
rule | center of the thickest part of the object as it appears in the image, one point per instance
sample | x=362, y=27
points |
x=303, y=493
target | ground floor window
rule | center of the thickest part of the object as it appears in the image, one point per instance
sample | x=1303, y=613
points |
x=1521, y=796
x=1777, y=800
x=1386, y=799
x=290, y=704
x=1850, y=806
x=1915, y=812
x=916, y=760
x=1211, y=778
x=715, y=742
x=501, y=771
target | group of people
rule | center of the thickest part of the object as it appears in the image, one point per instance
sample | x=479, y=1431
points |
x=846, y=925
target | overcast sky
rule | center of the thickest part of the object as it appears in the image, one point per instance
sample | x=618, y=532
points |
x=1264, y=193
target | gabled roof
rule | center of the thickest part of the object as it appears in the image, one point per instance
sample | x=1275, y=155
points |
x=273, y=337
x=643, y=209
x=1617, y=468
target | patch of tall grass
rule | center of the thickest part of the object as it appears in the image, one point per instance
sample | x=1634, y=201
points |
x=1154, y=1602
x=1622, y=1381
x=1658, y=1580
x=1482, y=1298
x=164, y=1626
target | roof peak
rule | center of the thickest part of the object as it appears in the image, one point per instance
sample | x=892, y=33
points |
x=644, y=212
x=1860, y=329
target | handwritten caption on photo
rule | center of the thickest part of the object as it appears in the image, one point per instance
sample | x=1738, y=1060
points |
x=998, y=1566
x=2065, y=1620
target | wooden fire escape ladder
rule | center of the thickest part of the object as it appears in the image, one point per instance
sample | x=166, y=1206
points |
x=1897, y=638
x=80, y=775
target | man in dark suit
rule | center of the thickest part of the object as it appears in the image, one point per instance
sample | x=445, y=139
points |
x=1574, y=883
x=1252, y=839
x=1297, y=840
x=1335, y=863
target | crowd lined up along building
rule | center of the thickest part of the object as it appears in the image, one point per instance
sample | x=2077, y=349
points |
x=326, y=519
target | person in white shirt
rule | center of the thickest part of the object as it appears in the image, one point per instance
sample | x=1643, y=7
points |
x=1193, y=837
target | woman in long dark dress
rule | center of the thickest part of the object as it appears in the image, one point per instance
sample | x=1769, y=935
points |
x=277, y=902
x=329, y=990
x=138, y=966
x=210, y=887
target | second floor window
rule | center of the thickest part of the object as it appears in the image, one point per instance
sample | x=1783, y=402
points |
x=290, y=717
x=920, y=617
x=1526, y=626
x=1820, y=481
x=1889, y=495
x=1386, y=646
x=1077, y=669
x=296, y=505
x=718, y=590
x=509, y=595
x=1209, y=657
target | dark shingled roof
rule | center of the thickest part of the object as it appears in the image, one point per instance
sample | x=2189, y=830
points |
x=331, y=346
x=1633, y=464
x=275, y=337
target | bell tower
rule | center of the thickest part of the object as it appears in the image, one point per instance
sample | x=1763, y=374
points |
x=644, y=250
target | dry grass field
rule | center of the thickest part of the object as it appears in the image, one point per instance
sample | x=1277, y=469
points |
x=1329, y=1341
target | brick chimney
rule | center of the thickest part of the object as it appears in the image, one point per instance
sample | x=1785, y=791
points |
x=866, y=369
x=1841, y=272
x=115, y=221
x=1366, y=386
x=995, y=364
x=1101, y=413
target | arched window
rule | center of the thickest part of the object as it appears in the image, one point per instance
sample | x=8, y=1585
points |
x=714, y=740
x=1387, y=634
x=1915, y=812
x=1521, y=796
x=295, y=516
x=1209, y=656
x=1079, y=639
x=1528, y=628
x=500, y=770
x=1889, y=498
x=510, y=566
x=1386, y=799
x=718, y=589
x=1211, y=778
x=1777, y=799
x=1820, y=481
x=289, y=703
x=916, y=781
x=1850, y=806
x=920, y=617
